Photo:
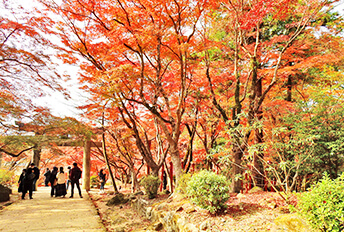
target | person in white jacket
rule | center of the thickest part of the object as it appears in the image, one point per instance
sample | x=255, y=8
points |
x=61, y=184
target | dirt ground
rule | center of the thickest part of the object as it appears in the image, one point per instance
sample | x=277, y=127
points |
x=246, y=212
x=121, y=218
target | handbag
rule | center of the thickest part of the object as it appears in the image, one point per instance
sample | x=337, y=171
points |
x=20, y=188
x=55, y=182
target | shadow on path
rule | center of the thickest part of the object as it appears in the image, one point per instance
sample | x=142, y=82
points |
x=45, y=213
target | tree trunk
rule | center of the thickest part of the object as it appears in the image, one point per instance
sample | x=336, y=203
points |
x=36, y=156
x=258, y=167
x=134, y=182
x=86, y=165
x=177, y=166
x=236, y=169
x=108, y=164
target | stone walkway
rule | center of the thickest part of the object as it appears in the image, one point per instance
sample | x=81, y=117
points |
x=44, y=213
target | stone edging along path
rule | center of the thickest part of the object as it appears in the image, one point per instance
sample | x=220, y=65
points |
x=45, y=213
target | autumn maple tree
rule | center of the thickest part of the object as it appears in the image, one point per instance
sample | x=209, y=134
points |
x=140, y=52
x=176, y=77
x=261, y=35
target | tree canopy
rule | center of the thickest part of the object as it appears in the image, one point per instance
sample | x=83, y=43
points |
x=239, y=87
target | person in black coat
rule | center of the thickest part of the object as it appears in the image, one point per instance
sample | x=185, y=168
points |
x=52, y=180
x=47, y=177
x=27, y=181
x=75, y=175
x=36, y=172
x=21, y=181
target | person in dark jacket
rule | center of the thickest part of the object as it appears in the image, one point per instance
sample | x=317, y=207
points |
x=27, y=181
x=36, y=172
x=75, y=175
x=102, y=180
x=21, y=181
x=52, y=181
x=47, y=177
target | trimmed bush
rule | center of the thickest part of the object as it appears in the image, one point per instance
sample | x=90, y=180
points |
x=6, y=177
x=323, y=204
x=151, y=185
x=209, y=191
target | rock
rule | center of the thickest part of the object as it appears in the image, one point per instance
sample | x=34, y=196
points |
x=157, y=226
x=271, y=205
x=204, y=225
x=165, y=192
x=139, y=205
x=255, y=189
x=291, y=222
x=190, y=209
x=118, y=199
x=132, y=196
x=4, y=193
x=240, y=196
x=183, y=225
x=138, y=193
x=149, y=212
x=162, y=206
x=120, y=229
x=180, y=208
x=170, y=221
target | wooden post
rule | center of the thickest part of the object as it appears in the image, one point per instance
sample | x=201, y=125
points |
x=86, y=166
x=171, y=176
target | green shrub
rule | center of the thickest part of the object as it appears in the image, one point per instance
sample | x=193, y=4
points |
x=323, y=204
x=183, y=183
x=6, y=177
x=151, y=185
x=208, y=190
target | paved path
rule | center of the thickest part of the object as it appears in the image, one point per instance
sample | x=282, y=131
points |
x=44, y=213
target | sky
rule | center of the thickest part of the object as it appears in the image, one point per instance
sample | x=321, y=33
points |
x=60, y=106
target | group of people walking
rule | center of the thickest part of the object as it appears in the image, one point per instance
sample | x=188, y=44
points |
x=57, y=178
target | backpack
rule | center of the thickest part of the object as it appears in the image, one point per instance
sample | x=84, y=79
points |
x=31, y=176
x=77, y=174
